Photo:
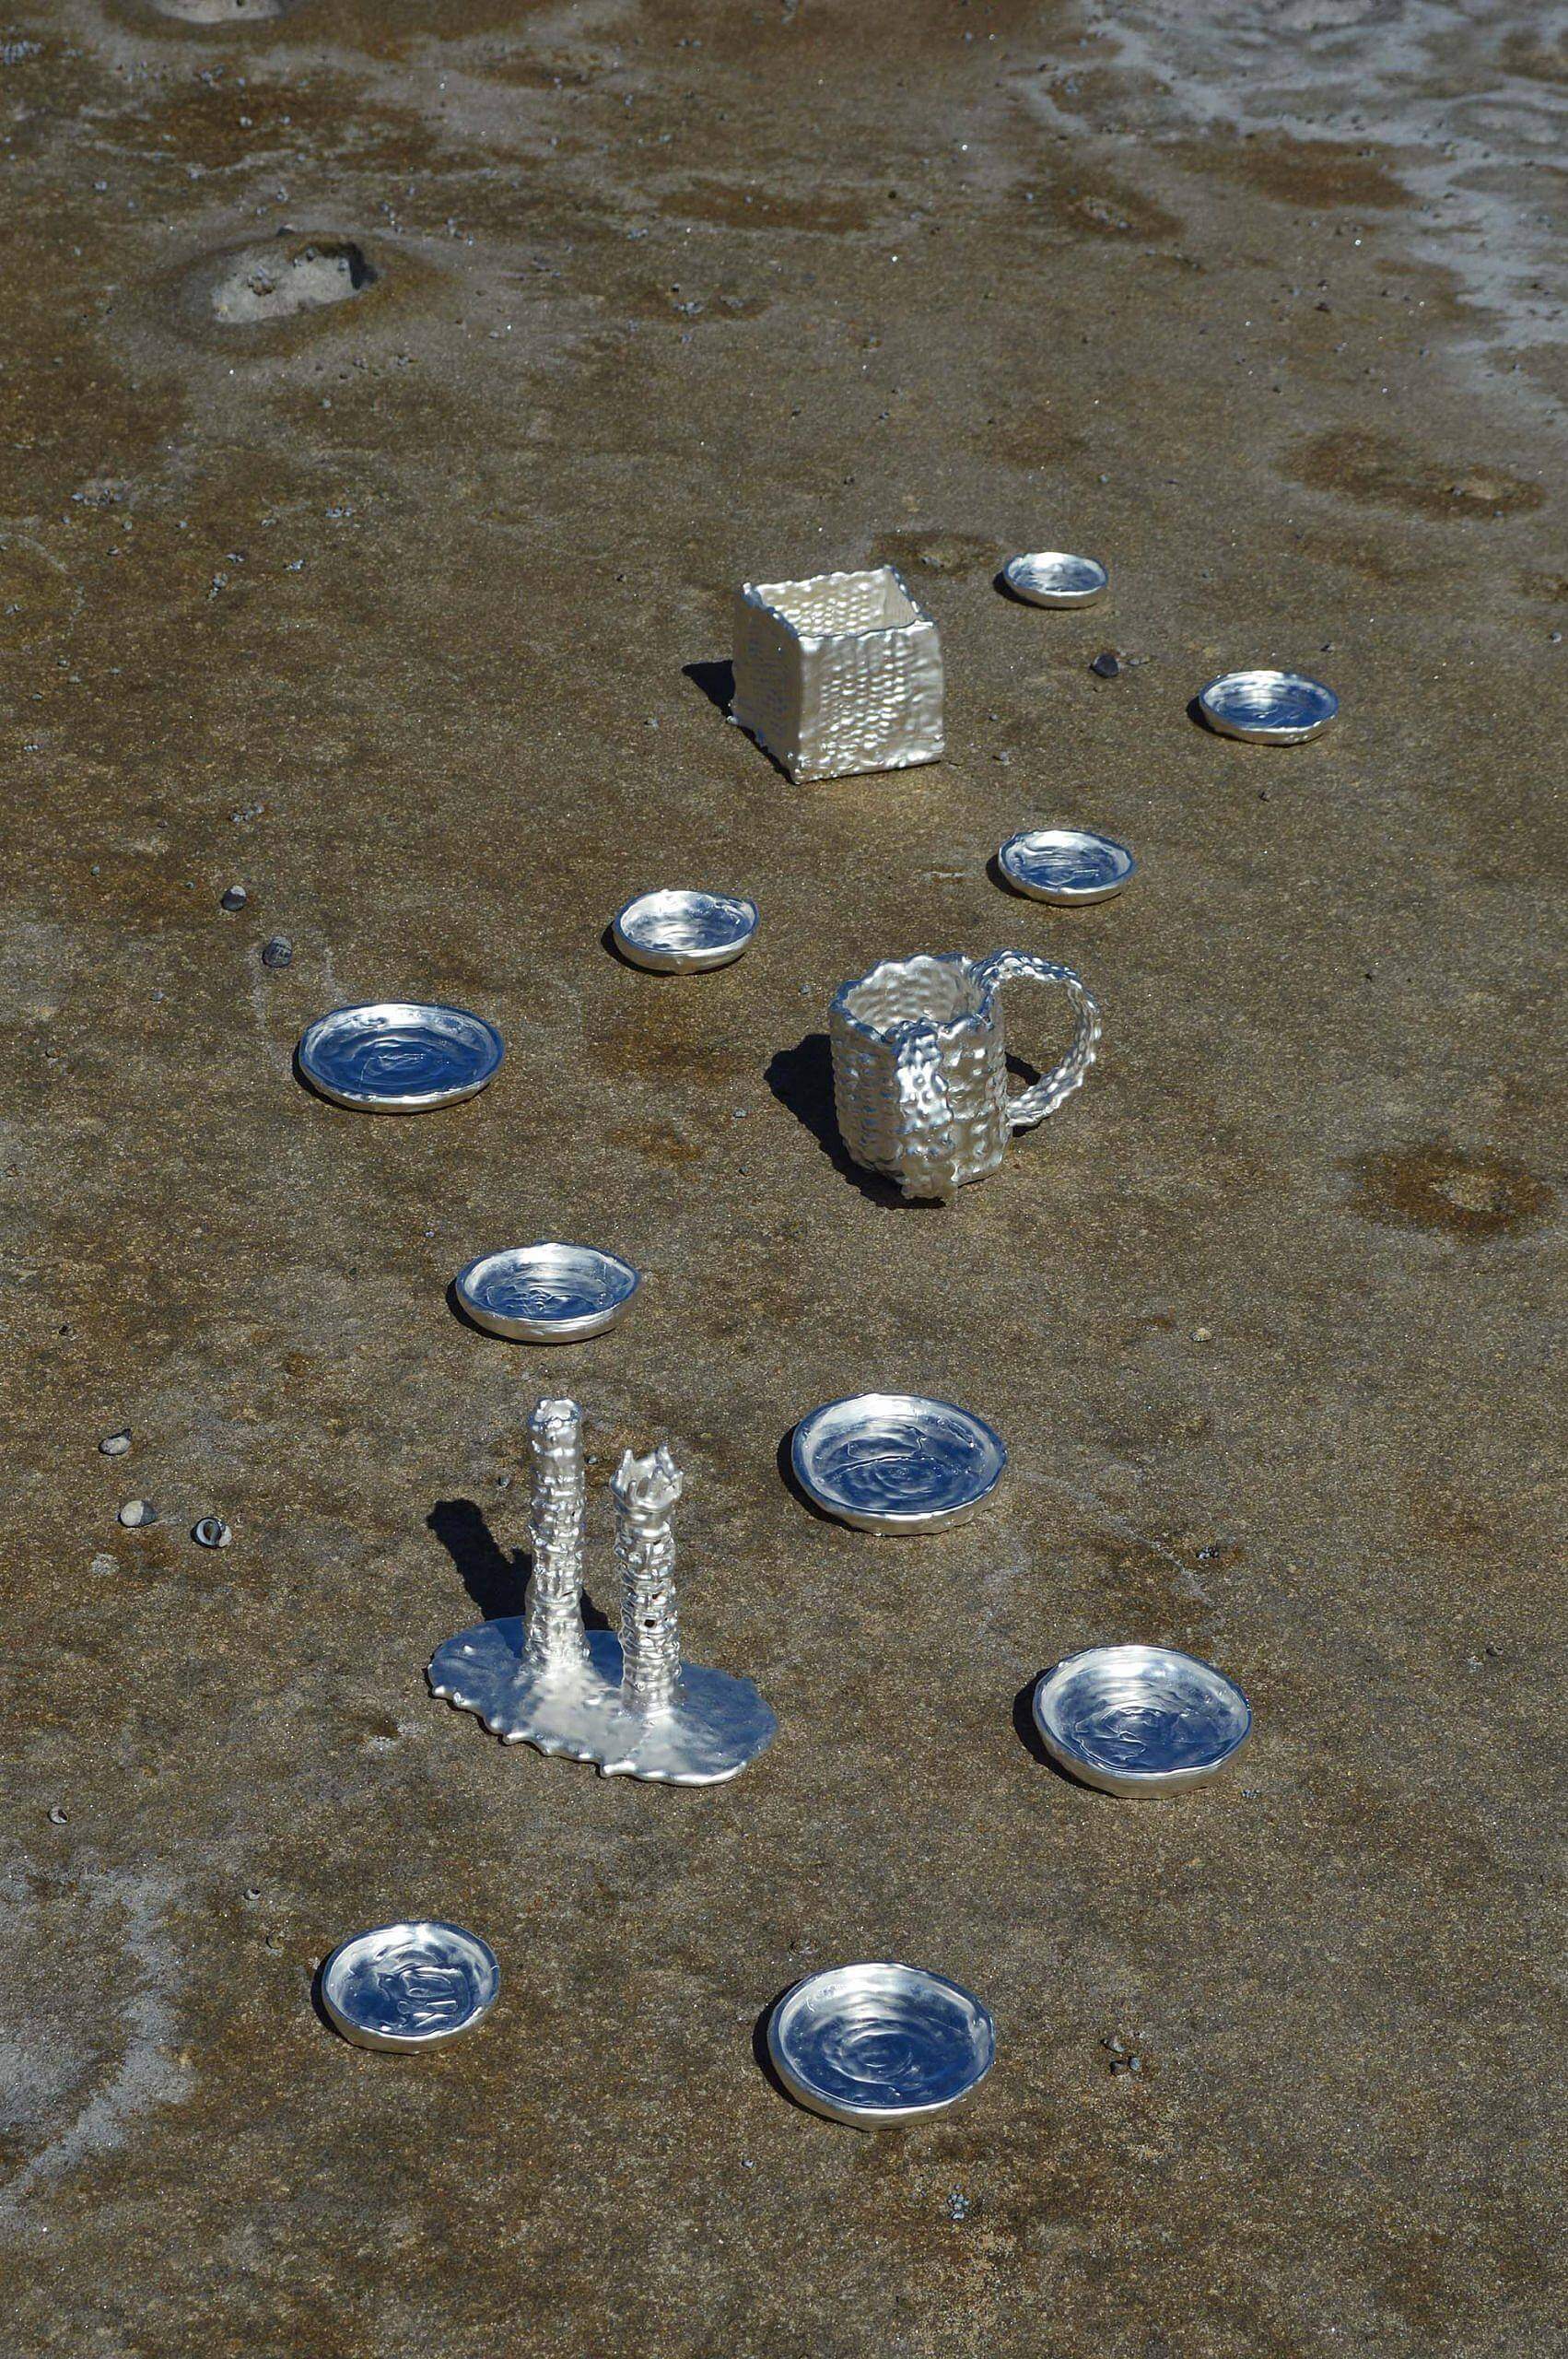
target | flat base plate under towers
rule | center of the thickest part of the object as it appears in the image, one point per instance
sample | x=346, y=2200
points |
x=712, y=1727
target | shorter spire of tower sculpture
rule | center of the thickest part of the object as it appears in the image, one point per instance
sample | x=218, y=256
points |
x=629, y=1704
x=645, y=1490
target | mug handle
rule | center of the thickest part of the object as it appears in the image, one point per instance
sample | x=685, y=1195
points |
x=1031, y=1106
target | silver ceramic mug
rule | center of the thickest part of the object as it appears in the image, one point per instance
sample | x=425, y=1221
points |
x=919, y=1066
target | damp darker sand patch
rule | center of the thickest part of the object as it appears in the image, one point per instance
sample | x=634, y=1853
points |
x=38, y=594
x=939, y=552
x=1438, y=1188
x=732, y=205
x=1388, y=567
x=190, y=125
x=1310, y=174
x=1035, y=436
x=1538, y=59
x=1389, y=475
x=1104, y=209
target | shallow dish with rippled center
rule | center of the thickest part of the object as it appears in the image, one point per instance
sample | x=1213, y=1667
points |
x=682, y=933
x=1065, y=864
x=880, y=2046
x=1052, y=578
x=1268, y=708
x=399, y=1056
x=548, y=1292
x=410, y=1986
x=1139, y=1719
x=896, y=1461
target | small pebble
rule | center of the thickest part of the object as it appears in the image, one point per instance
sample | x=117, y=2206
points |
x=116, y=1445
x=58, y=1817
x=136, y=1512
x=278, y=952
x=1204, y=1335
x=957, y=2206
x=211, y=1532
x=1106, y=666
x=233, y=897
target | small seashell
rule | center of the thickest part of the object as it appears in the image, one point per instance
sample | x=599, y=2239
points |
x=136, y=1512
x=116, y=1445
x=211, y=1532
x=58, y=1817
x=234, y=898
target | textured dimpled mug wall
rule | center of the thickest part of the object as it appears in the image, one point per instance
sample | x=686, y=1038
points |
x=919, y=1066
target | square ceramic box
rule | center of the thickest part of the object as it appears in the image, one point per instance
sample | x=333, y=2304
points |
x=839, y=673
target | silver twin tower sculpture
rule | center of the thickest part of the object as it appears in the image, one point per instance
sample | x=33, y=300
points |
x=627, y=1702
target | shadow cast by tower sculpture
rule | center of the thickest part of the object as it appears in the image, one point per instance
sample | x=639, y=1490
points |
x=627, y=1702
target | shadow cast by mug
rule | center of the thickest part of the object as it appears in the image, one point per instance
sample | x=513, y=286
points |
x=802, y=1079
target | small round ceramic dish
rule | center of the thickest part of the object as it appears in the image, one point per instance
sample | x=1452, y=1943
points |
x=548, y=1292
x=684, y=934
x=1268, y=708
x=1139, y=1720
x=1052, y=578
x=399, y=1057
x=880, y=2046
x=1065, y=864
x=895, y=1462
x=410, y=1986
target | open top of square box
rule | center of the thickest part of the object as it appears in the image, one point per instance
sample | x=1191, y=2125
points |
x=837, y=605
